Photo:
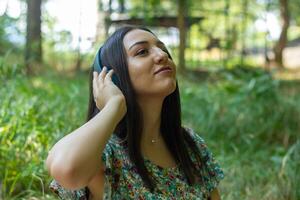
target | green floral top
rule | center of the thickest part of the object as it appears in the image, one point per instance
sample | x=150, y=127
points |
x=123, y=181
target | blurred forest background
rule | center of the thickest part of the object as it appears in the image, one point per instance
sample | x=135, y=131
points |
x=239, y=77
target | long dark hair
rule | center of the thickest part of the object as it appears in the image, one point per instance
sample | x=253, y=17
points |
x=129, y=129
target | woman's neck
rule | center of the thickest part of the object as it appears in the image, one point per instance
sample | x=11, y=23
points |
x=151, y=112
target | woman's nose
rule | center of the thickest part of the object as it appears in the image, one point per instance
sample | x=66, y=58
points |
x=160, y=55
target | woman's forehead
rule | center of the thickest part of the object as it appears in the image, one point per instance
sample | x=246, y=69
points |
x=138, y=35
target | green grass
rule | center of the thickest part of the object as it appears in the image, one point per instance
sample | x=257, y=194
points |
x=35, y=112
x=251, y=123
x=249, y=120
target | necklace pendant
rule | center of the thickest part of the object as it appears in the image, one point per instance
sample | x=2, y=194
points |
x=153, y=141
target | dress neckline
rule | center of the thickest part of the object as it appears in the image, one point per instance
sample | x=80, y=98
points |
x=172, y=168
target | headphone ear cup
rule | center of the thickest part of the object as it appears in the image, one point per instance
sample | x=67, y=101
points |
x=98, y=67
x=97, y=62
x=115, y=79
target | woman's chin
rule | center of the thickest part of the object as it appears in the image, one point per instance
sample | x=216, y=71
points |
x=170, y=89
x=162, y=89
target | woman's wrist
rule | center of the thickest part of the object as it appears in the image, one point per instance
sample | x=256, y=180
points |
x=117, y=105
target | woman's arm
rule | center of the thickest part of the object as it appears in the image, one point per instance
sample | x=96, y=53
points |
x=76, y=158
x=215, y=195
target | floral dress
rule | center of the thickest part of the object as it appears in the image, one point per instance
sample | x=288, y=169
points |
x=123, y=182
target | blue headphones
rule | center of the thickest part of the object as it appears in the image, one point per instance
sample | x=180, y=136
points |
x=98, y=67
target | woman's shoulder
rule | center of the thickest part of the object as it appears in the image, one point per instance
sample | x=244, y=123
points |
x=115, y=152
x=115, y=144
x=195, y=136
x=200, y=143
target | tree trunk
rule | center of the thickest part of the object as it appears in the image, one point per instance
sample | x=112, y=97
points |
x=281, y=43
x=101, y=27
x=33, y=50
x=227, y=33
x=244, y=31
x=79, y=57
x=182, y=33
x=121, y=6
x=267, y=34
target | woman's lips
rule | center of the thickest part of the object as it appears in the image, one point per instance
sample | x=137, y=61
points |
x=163, y=69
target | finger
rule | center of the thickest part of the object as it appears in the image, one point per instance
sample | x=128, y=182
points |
x=102, y=73
x=95, y=89
x=95, y=85
x=109, y=75
x=95, y=74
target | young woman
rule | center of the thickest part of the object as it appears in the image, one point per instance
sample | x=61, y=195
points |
x=133, y=145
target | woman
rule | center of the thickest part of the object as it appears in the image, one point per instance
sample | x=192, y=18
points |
x=134, y=123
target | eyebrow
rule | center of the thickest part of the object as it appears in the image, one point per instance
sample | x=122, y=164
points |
x=145, y=42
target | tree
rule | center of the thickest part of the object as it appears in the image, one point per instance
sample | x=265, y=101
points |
x=244, y=29
x=281, y=43
x=33, y=50
x=182, y=11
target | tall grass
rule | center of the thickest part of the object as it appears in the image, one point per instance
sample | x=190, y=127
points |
x=34, y=113
x=249, y=120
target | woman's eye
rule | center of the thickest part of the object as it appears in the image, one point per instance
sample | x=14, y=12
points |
x=142, y=52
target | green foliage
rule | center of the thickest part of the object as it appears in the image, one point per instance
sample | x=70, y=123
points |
x=237, y=105
x=150, y=8
x=249, y=120
x=294, y=7
x=35, y=113
x=252, y=124
x=7, y=28
x=8, y=68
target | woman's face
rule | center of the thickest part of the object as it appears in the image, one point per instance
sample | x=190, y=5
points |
x=151, y=71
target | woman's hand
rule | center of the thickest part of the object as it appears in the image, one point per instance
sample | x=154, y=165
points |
x=104, y=90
